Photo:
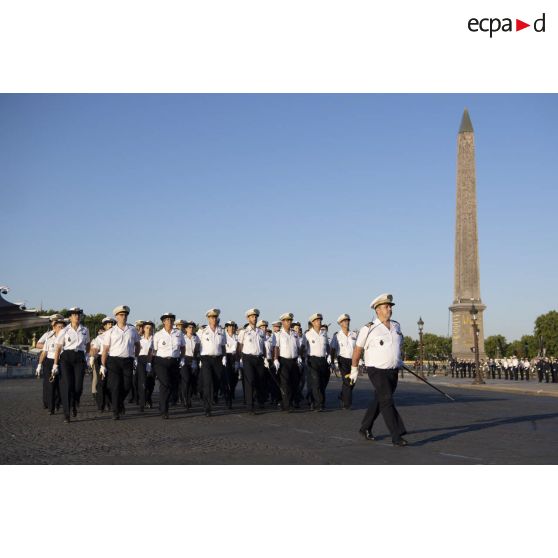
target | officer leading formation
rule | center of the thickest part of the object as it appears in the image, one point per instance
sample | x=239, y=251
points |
x=282, y=366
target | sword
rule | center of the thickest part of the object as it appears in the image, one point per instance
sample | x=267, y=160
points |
x=428, y=383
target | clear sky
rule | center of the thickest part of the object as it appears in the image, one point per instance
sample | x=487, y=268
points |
x=297, y=203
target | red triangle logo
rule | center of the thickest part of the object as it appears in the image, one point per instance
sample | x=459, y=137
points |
x=519, y=25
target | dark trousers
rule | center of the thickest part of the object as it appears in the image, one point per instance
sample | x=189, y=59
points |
x=230, y=377
x=211, y=377
x=289, y=377
x=318, y=371
x=187, y=382
x=385, y=384
x=346, y=387
x=167, y=371
x=103, y=394
x=143, y=381
x=72, y=367
x=120, y=372
x=134, y=391
x=255, y=388
x=273, y=383
x=46, y=377
x=52, y=388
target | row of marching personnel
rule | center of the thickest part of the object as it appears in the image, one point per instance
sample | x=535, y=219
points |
x=273, y=365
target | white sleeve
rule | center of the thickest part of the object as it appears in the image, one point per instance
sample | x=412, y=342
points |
x=362, y=335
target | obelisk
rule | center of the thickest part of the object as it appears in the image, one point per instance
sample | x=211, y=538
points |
x=467, y=278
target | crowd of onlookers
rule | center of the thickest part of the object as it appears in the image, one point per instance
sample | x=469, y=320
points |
x=542, y=369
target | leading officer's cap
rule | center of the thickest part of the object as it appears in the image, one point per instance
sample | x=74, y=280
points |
x=213, y=312
x=382, y=299
x=252, y=312
x=168, y=315
x=287, y=316
x=343, y=317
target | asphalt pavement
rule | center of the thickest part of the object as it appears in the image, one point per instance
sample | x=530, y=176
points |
x=480, y=427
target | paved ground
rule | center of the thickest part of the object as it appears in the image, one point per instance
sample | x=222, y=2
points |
x=481, y=427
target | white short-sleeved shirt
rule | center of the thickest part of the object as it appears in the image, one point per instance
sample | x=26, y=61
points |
x=121, y=342
x=50, y=346
x=269, y=344
x=288, y=343
x=382, y=346
x=168, y=344
x=252, y=340
x=191, y=344
x=97, y=343
x=73, y=340
x=232, y=342
x=213, y=343
x=315, y=344
x=146, y=345
x=47, y=335
x=343, y=345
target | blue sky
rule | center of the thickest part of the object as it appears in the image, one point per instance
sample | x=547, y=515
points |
x=297, y=203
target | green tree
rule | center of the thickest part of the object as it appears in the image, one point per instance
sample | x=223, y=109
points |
x=495, y=346
x=436, y=347
x=410, y=348
x=546, y=325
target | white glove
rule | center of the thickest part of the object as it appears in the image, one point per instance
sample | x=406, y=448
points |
x=194, y=365
x=336, y=363
x=299, y=360
x=240, y=363
x=91, y=361
x=236, y=365
x=266, y=363
x=135, y=363
x=329, y=359
x=54, y=370
x=354, y=374
x=103, y=371
x=148, y=367
x=182, y=362
x=38, y=371
x=224, y=361
x=276, y=363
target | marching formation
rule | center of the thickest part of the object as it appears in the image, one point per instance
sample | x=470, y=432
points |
x=274, y=365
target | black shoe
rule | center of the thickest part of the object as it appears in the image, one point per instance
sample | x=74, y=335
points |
x=321, y=409
x=252, y=411
x=67, y=418
x=366, y=434
x=165, y=416
x=312, y=408
x=115, y=416
x=400, y=443
x=207, y=413
x=74, y=412
x=291, y=410
x=51, y=412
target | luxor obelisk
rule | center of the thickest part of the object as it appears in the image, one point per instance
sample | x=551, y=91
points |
x=467, y=276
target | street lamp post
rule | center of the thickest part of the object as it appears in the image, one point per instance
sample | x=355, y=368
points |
x=420, y=324
x=478, y=376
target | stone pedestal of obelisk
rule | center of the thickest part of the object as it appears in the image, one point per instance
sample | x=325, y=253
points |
x=467, y=276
